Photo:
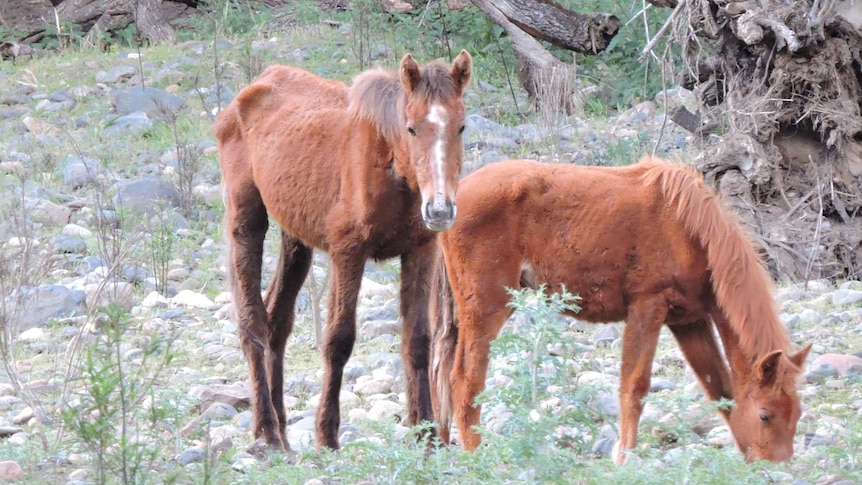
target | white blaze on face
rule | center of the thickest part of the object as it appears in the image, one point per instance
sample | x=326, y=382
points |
x=438, y=117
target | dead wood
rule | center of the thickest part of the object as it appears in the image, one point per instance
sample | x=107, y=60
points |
x=33, y=20
x=785, y=78
x=528, y=20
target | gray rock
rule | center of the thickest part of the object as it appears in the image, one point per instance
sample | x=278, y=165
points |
x=169, y=219
x=156, y=103
x=389, y=311
x=115, y=74
x=813, y=440
x=112, y=292
x=661, y=385
x=375, y=328
x=6, y=431
x=677, y=97
x=80, y=92
x=130, y=124
x=219, y=96
x=354, y=370
x=145, y=194
x=385, y=410
x=88, y=264
x=299, y=384
x=381, y=359
x=605, y=335
x=243, y=420
x=792, y=294
x=821, y=370
x=489, y=133
x=79, y=171
x=69, y=244
x=846, y=297
x=810, y=317
x=15, y=99
x=851, y=285
x=46, y=212
x=790, y=321
x=604, y=446
x=368, y=385
x=300, y=435
x=191, y=455
x=487, y=157
x=189, y=298
x=531, y=133
x=23, y=416
x=31, y=306
x=609, y=404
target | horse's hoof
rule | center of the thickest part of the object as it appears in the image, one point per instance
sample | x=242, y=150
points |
x=619, y=456
x=263, y=450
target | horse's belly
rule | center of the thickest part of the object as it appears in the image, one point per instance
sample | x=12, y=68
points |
x=601, y=295
x=299, y=217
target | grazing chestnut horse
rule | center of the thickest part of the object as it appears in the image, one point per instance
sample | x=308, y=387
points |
x=648, y=244
x=366, y=171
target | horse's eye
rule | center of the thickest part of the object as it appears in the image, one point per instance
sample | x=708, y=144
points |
x=764, y=417
x=461, y=130
x=411, y=130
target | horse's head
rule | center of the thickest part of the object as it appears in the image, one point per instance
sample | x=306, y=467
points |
x=434, y=121
x=763, y=421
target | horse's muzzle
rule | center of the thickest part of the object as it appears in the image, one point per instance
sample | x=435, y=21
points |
x=439, y=214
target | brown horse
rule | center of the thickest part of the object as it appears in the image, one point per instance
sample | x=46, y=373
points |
x=648, y=244
x=366, y=171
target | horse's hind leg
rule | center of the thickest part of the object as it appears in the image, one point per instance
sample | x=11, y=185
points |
x=640, y=338
x=246, y=224
x=346, y=265
x=294, y=260
x=700, y=349
x=416, y=270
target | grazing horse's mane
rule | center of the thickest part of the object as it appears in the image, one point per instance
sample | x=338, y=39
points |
x=378, y=96
x=741, y=283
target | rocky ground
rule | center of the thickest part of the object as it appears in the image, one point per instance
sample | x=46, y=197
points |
x=80, y=155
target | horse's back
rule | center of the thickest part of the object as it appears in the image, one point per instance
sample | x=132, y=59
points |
x=602, y=232
x=305, y=89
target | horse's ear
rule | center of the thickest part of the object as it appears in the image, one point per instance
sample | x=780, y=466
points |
x=798, y=358
x=768, y=367
x=462, y=69
x=252, y=103
x=410, y=75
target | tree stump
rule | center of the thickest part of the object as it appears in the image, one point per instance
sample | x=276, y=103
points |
x=785, y=80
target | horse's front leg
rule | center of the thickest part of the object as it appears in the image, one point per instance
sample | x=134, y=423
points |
x=416, y=269
x=346, y=276
x=640, y=338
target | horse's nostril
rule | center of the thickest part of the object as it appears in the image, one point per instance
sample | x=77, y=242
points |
x=439, y=212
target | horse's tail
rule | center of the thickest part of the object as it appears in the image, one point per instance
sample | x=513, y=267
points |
x=444, y=340
x=740, y=281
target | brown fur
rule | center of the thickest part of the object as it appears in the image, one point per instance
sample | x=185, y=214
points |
x=336, y=169
x=648, y=244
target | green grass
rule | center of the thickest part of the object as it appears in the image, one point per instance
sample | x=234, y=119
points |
x=527, y=450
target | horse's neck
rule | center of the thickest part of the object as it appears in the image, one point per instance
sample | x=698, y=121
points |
x=740, y=363
x=402, y=166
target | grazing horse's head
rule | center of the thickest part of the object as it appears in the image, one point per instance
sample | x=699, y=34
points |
x=433, y=121
x=763, y=421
